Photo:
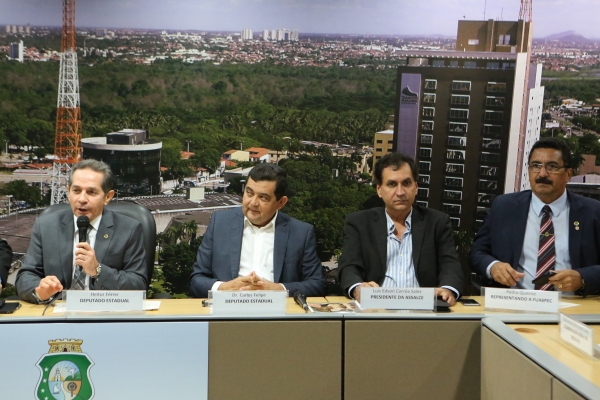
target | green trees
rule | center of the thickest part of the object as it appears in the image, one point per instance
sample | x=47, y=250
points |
x=23, y=192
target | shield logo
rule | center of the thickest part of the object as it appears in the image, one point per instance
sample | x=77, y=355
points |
x=65, y=372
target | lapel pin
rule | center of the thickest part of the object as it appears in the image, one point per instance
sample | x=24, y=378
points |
x=576, y=223
x=106, y=236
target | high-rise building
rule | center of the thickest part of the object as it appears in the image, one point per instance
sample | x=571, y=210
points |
x=273, y=34
x=28, y=29
x=468, y=117
x=14, y=29
x=247, y=34
x=15, y=51
x=265, y=34
x=7, y=28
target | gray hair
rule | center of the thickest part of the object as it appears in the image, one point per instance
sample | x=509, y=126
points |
x=97, y=166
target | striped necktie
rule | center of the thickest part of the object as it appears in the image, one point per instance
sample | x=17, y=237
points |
x=79, y=276
x=546, y=252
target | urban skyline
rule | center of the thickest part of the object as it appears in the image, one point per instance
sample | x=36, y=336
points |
x=376, y=17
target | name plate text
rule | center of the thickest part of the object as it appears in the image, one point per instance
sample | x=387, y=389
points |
x=397, y=298
x=577, y=334
x=105, y=300
x=522, y=300
x=255, y=302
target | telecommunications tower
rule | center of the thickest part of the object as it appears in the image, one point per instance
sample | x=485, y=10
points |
x=67, y=147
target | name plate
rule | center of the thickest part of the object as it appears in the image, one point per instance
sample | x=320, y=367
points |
x=577, y=334
x=255, y=302
x=397, y=298
x=104, y=300
x=522, y=300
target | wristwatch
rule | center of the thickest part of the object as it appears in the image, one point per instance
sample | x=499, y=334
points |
x=40, y=301
x=98, y=270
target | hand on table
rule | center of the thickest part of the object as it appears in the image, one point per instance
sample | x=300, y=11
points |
x=505, y=274
x=356, y=292
x=567, y=280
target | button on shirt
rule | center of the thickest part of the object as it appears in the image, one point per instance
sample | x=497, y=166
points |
x=400, y=269
x=258, y=245
x=91, y=233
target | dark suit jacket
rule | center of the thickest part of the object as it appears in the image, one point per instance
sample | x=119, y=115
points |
x=295, y=261
x=119, y=250
x=364, y=253
x=503, y=231
x=5, y=261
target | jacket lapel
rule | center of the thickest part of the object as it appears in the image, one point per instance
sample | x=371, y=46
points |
x=381, y=237
x=575, y=235
x=417, y=231
x=281, y=240
x=104, y=235
x=520, y=216
x=66, y=243
x=237, y=232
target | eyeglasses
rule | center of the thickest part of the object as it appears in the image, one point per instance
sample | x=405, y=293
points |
x=551, y=168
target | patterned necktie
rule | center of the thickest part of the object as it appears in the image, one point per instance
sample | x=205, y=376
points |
x=546, y=252
x=78, y=278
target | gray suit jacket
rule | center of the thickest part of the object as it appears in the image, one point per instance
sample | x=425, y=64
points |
x=119, y=250
x=295, y=261
x=364, y=252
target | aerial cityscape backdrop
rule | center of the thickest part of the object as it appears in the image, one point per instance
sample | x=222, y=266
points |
x=377, y=17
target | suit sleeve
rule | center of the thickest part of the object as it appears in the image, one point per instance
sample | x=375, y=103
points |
x=312, y=282
x=351, y=264
x=202, y=278
x=32, y=266
x=5, y=261
x=132, y=275
x=450, y=269
x=480, y=254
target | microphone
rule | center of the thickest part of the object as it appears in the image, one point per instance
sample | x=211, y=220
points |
x=300, y=299
x=83, y=223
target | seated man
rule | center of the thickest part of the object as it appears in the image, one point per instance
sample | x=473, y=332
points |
x=401, y=245
x=547, y=228
x=5, y=262
x=112, y=258
x=257, y=247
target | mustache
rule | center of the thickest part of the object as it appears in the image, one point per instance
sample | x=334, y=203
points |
x=543, y=179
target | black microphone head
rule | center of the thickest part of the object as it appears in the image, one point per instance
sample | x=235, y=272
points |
x=83, y=222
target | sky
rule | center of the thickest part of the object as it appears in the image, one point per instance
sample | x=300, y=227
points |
x=379, y=17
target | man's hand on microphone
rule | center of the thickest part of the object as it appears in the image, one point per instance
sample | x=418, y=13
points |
x=85, y=257
x=48, y=286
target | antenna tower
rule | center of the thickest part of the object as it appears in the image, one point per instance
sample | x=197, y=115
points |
x=526, y=10
x=67, y=150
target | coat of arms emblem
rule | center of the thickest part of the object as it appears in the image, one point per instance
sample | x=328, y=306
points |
x=65, y=372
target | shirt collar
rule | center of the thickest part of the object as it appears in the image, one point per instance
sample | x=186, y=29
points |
x=390, y=223
x=270, y=225
x=557, y=206
x=94, y=224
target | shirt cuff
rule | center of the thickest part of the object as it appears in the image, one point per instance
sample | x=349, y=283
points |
x=351, y=289
x=456, y=293
x=489, y=268
x=216, y=285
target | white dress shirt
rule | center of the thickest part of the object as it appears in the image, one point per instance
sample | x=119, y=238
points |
x=92, y=231
x=256, y=255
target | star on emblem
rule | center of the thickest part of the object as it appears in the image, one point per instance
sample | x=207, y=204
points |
x=46, y=369
x=43, y=390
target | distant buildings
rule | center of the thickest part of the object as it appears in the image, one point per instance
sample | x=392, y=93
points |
x=469, y=118
x=133, y=159
x=278, y=35
x=15, y=51
x=247, y=34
